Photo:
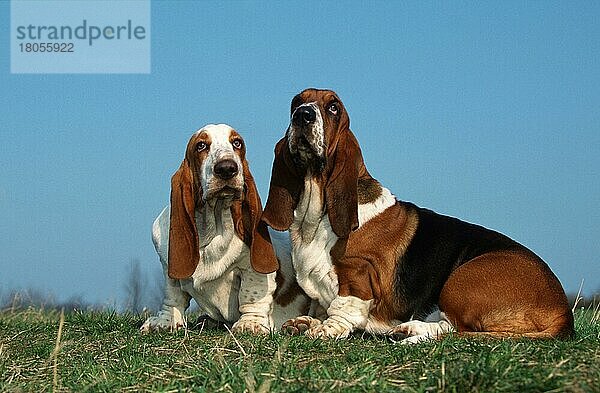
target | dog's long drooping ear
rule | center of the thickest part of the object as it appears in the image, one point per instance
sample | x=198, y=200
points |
x=284, y=190
x=183, y=234
x=252, y=229
x=341, y=188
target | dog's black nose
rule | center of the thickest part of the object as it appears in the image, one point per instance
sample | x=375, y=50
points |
x=304, y=115
x=226, y=169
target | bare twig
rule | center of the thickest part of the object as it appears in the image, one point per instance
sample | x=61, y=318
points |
x=578, y=297
x=596, y=313
x=235, y=339
x=57, y=350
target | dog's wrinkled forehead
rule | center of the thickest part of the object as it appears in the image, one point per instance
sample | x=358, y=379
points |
x=317, y=96
x=215, y=140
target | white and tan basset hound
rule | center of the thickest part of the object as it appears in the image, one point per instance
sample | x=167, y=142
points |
x=387, y=266
x=213, y=247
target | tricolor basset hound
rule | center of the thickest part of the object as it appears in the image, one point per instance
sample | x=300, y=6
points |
x=214, y=248
x=387, y=266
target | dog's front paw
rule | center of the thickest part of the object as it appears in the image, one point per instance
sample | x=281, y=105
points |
x=299, y=325
x=249, y=326
x=405, y=329
x=330, y=328
x=418, y=331
x=409, y=333
x=164, y=321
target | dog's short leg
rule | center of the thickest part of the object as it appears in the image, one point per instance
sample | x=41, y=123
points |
x=171, y=315
x=346, y=313
x=416, y=331
x=256, y=302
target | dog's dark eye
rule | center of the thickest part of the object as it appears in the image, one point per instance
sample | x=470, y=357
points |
x=237, y=144
x=200, y=146
x=333, y=109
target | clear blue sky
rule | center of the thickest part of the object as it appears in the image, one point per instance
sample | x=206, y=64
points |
x=484, y=111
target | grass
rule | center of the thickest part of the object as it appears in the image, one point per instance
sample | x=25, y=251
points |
x=103, y=351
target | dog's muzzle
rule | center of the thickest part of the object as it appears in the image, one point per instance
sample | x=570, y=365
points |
x=306, y=138
x=226, y=181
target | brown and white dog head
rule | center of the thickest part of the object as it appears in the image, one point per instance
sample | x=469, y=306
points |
x=215, y=172
x=319, y=144
x=318, y=118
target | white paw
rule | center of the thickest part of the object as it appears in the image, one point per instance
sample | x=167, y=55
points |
x=416, y=339
x=419, y=331
x=329, y=329
x=407, y=329
x=164, y=321
x=250, y=326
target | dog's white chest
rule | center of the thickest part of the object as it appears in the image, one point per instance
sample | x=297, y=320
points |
x=217, y=298
x=216, y=282
x=312, y=240
x=219, y=245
